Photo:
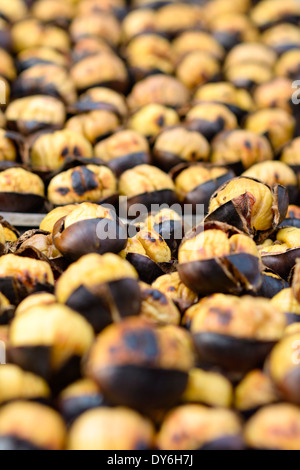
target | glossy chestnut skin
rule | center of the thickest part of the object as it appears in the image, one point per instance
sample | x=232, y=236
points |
x=238, y=211
x=271, y=285
x=84, y=236
x=101, y=301
x=140, y=375
x=212, y=275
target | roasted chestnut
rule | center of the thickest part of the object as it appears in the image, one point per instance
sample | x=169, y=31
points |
x=282, y=38
x=139, y=21
x=275, y=172
x=274, y=427
x=80, y=396
x=124, y=150
x=175, y=18
x=13, y=11
x=276, y=124
x=38, y=299
x=148, y=54
x=41, y=55
x=89, y=228
x=21, y=191
x=146, y=185
x=38, y=240
x=172, y=286
x=178, y=145
x=104, y=69
x=54, y=12
x=208, y=387
x=84, y=183
x=281, y=255
x=49, y=340
x=141, y=366
x=34, y=113
x=286, y=302
x=292, y=217
x=98, y=24
x=235, y=333
x=251, y=52
x=271, y=285
x=197, y=68
x=104, y=289
x=271, y=12
x=210, y=119
x=274, y=94
x=196, y=427
x=196, y=183
x=216, y=257
x=149, y=253
x=45, y=79
x=152, y=118
x=95, y=125
x=290, y=154
x=160, y=89
x=222, y=7
x=102, y=98
x=49, y=151
x=191, y=41
x=288, y=65
x=254, y=391
x=248, y=74
x=252, y=206
x=7, y=66
x=89, y=46
x=33, y=33
x=111, y=429
x=95, y=6
x=157, y=308
x=53, y=216
x=9, y=146
x=20, y=427
x=231, y=28
x=17, y=384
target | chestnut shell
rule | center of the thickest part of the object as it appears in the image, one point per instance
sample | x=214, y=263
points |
x=282, y=263
x=21, y=202
x=127, y=162
x=164, y=196
x=147, y=269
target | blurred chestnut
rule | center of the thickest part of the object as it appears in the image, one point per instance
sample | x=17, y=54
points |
x=152, y=118
x=172, y=286
x=254, y=391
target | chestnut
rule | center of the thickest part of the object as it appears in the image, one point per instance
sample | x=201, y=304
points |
x=159, y=89
x=216, y=257
x=7, y=311
x=152, y=118
x=284, y=367
x=149, y=253
x=282, y=37
x=83, y=183
x=232, y=28
x=50, y=151
x=7, y=66
x=15, y=11
x=5, y=35
x=248, y=74
x=172, y=286
x=111, y=429
x=271, y=285
x=208, y=387
x=191, y=41
x=178, y=145
x=252, y=206
x=35, y=113
x=103, y=69
x=20, y=427
x=196, y=183
x=281, y=255
x=237, y=100
x=100, y=24
x=37, y=299
x=50, y=340
x=270, y=13
x=251, y=52
x=274, y=427
x=95, y=125
x=18, y=385
x=254, y=391
x=102, y=98
x=95, y=6
x=54, y=12
x=124, y=150
x=197, y=68
x=286, y=302
x=41, y=55
x=138, y=21
x=45, y=79
x=21, y=191
x=149, y=53
x=178, y=17
x=157, y=308
x=222, y=7
x=138, y=365
x=10, y=143
x=104, y=289
x=196, y=427
x=288, y=65
x=89, y=228
x=210, y=119
x=79, y=397
x=235, y=333
x=89, y=46
x=147, y=185
x=275, y=172
x=274, y=94
x=292, y=217
x=290, y=154
x=53, y=216
x=277, y=124
x=32, y=33
x=20, y=276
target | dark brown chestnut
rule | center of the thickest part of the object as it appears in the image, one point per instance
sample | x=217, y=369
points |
x=140, y=366
x=172, y=286
x=104, y=289
x=271, y=285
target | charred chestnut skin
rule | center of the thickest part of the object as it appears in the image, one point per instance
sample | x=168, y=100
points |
x=81, y=237
x=232, y=354
x=206, y=277
x=271, y=285
x=147, y=269
x=282, y=263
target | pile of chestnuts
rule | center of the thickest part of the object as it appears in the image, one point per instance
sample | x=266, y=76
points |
x=125, y=324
